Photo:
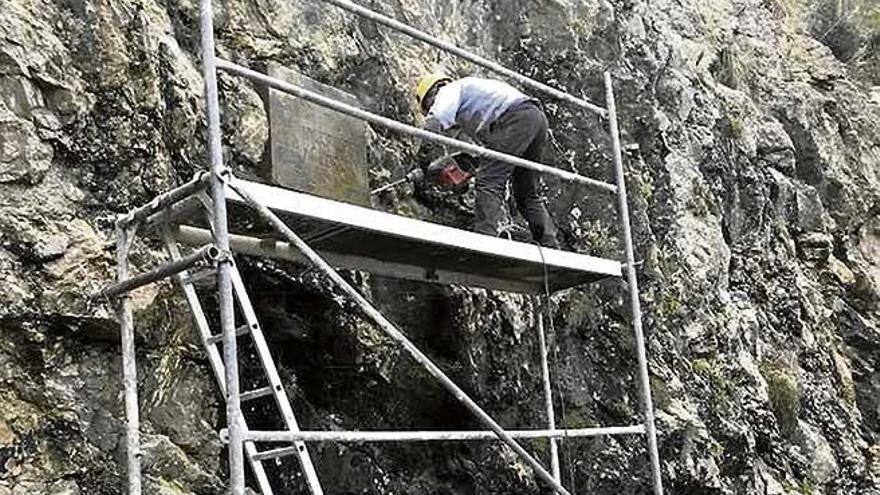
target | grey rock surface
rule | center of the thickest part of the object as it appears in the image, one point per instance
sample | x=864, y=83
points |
x=752, y=133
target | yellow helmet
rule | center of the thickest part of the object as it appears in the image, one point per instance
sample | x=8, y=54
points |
x=427, y=82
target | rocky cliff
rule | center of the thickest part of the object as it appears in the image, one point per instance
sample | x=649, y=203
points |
x=753, y=154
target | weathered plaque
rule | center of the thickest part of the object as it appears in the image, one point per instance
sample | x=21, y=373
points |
x=314, y=149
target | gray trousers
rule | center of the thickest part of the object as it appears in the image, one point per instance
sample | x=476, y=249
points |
x=522, y=132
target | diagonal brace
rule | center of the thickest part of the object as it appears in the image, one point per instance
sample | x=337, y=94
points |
x=392, y=331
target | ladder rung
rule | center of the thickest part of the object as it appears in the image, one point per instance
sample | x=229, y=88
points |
x=216, y=339
x=256, y=394
x=276, y=453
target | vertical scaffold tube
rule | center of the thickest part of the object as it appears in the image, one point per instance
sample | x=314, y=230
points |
x=221, y=240
x=129, y=365
x=626, y=233
x=548, y=393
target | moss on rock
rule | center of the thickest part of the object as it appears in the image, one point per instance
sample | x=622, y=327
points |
x=784, y=393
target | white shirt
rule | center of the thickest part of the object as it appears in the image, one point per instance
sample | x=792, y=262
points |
x=473, y=103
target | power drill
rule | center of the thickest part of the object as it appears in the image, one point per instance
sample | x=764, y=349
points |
x=450, y=171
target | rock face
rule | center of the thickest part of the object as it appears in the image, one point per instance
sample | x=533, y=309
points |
x=754, y=177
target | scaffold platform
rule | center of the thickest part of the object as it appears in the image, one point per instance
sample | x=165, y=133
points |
x=357, y=238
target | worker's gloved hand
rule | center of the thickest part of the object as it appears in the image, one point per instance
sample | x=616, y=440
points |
x=416, y=176
x=427, y=151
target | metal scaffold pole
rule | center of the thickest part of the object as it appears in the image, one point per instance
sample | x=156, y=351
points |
x=632, y=283
x=205, y=255
x=124, y=235
x=429, y=436
x=224, y=265
x=548, y=393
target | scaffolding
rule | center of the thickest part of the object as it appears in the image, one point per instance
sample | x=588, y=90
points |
x=216, y=191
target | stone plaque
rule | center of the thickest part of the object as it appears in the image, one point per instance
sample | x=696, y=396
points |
x=315, y=149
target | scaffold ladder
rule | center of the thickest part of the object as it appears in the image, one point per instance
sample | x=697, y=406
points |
x=250, y=328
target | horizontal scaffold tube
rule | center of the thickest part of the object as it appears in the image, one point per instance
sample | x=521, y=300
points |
x=454, y=50
x=204, y=255
x=431, y=436
x=415, y=436
x=408, y=129
x=395, y=334
x=164, y=200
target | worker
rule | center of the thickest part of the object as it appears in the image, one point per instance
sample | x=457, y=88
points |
x=500, y=117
